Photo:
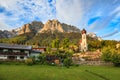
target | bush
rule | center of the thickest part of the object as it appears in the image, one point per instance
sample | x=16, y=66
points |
x=69, y=53
x=116, y=59
x=106, y=57
x=29, y=61
x=112, y=55
x=106, y=54
x=42, y=59
x=67, y=62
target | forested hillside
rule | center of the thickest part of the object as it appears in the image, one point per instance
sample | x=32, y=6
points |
x=46, y=39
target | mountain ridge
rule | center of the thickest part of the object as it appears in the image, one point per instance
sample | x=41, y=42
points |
x=38, y=27
x=49, y=26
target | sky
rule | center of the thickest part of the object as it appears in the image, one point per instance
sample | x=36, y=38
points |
x=101, y=17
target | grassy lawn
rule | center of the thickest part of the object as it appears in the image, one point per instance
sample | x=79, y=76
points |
x=43, y=72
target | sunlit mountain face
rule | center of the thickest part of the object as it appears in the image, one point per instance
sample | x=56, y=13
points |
x=98, y=16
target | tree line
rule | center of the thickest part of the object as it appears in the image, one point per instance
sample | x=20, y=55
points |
x=57, y=40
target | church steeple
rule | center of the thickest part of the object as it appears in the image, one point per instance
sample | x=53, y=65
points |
x=83, y=31
x=84, y=41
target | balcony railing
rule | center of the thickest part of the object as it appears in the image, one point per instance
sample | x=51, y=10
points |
x=13, y=53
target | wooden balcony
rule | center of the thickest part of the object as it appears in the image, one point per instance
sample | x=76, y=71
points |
x=13, y=53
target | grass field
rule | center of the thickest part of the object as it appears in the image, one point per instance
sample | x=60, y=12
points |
x=43, y=72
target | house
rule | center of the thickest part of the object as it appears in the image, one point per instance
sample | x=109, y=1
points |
x=41, y=49
x=14, y=51
x=35, y=54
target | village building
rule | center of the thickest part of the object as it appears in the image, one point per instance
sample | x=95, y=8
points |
x=41, y=49
x=35, y=54
x=14, y=52
x=19, y=52
x=83, y=42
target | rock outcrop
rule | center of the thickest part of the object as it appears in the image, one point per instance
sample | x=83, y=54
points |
x=33, y=27
x=94, y=36
x=52, y=26
x=55, y=25
x=39, y=27
x=69, y=28
x=25, y=29
x=6, y=34
x=49, y=26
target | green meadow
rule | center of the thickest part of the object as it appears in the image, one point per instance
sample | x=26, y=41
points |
x=44, y=72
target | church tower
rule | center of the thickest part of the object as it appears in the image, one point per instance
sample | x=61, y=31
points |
x=84, y=46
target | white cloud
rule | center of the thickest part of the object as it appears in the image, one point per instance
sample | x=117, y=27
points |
x=69, y=11
x=4, y=26
x=102, y=23
x=9, y=4
x=117, y=9
x=24, y=11
x=114, y=37
x=78, y=12
x=74, y=12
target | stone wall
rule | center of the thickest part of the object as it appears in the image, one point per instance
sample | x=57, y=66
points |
x=93, y=63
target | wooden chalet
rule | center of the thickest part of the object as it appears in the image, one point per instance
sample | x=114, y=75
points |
x=14, y=51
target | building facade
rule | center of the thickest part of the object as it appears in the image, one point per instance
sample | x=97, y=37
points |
x=41, y=49
x=83, y=42
x=14, y=52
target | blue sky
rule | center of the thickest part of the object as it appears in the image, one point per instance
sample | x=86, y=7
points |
x=99, y=16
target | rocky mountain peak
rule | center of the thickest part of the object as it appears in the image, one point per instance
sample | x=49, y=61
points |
x=25, y=29
x=55, y=25
x=52, y=25
x=6, y=34
x=38, y=27
x=34, y=27
x=49, y=26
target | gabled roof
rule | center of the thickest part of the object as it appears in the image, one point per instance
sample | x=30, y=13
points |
x=15, y=46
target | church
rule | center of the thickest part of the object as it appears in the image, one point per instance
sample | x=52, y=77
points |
x=83, y=42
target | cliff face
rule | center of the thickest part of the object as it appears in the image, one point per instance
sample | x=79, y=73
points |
x=51, y=26
x=30, y=27
x=69, y=28
x=25, y=29
x=6, y=34
x=55, y=25
x=39, y=27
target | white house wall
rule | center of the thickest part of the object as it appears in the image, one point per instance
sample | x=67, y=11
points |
x=3, y=57
x=18, y=58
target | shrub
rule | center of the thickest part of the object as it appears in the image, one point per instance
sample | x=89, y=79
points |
x=42, y=58
x=106, y=57
x=116, y=59
x=106, y=54
x=29, y=61
x=112, y=55
x=67, y=62
x=69, y=53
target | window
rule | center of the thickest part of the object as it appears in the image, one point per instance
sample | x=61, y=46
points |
x=26, y=51
x=16, y=51
x=5, y=50
x=21, y=57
